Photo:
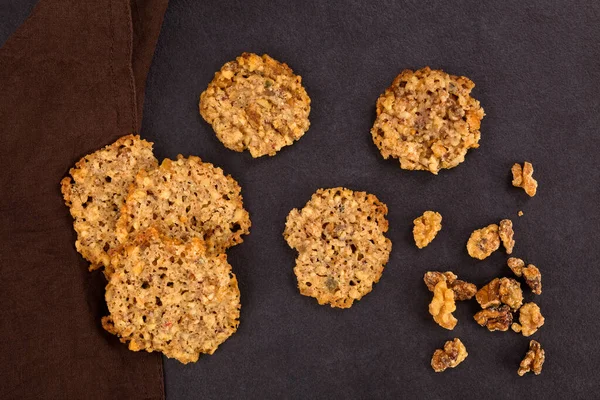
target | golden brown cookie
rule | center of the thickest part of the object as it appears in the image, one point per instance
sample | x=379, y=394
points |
x=96, y=191
x=256, y=103
x=342, y=250
x=183, y=199
x=171, y=297
x=428, y=120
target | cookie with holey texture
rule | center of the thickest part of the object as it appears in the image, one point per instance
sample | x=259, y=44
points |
x=96, y=191
x=183, y=199
x=256, y=103
x=168, y=296
x=342, y=250
x=428, y=120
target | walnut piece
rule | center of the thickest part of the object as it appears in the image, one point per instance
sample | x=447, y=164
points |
x=442, y=306
x=522, y=177
x=500, y=290
x=426, y=228
x=483, y=242
x=532, y=275
x=534, y=359
x=462, y=290
x=506, y=234
x=495, y=318
x=454, y=353
x=530, y=319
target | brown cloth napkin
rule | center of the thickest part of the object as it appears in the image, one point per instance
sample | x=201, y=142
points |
x=71, y=81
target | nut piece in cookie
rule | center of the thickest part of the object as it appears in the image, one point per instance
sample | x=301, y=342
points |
x=426, y=228
x=462, y=290
x=183, y=199
x=428, y=120
x=256, y=103
x=495, y=318
x=483, y=242
x=454, y=353
x=530, y=320
x=522, y=177
x=443, y=305
x=168, y=296
x=534, y=359
x=506, y=233
x=96, y=191
x=342, y=249
x=532, y=275
x=500, y=291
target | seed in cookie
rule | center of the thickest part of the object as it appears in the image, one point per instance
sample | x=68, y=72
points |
x=168, y=296
x=96, y=191
x=483, y=242
x=453, y=353
x=428, y=120
x=183, y=199
x=342, y=250
x=256, y=103
x=522, y=177
x=426, y=228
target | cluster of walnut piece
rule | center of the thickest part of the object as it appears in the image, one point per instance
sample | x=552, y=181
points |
x=499, y=299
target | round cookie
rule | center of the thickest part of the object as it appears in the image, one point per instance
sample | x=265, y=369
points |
x=96, y=191
x=171, y=297
x=183, y=199
x=428, y=120
x=342, y=250
x=256, y=103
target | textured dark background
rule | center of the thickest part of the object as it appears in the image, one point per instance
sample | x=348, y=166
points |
x=537, y=71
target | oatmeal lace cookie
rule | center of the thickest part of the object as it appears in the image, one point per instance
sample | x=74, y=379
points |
x=171, y=297
x=428, y=120
x=342, y=250
x=183, y=199
x=256, y=103
x=96, y=191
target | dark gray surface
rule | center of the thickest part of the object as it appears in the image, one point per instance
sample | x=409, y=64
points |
x=12, y=14
x=537, y=72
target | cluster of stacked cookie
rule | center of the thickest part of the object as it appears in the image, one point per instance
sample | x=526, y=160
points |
x=160, y=233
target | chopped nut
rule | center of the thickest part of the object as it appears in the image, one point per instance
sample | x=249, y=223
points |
x=522, y=177
x=454, y=353
x=511, y=293
x=532, y=275
x=495, y=318
x=500, y=290
x=516, y=265
x=426, y=228
x=534, y=359
x=442, y=306
x=533, y=278
x=483, y=242
x=506, y=234
x=530, y=318
x=520, y=213
x=462, y=290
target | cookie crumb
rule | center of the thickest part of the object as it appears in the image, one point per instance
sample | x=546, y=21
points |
x=520, y=213
x=484, y=242
x=506, y=233
x=522, y=177
x=426, y=228
x=534, y=359
x=454, y=353
x=443, y=305
x=530, y=320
